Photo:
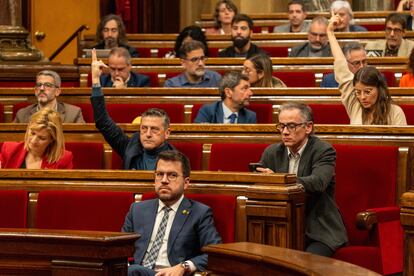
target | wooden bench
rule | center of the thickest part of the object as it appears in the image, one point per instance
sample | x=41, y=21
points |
x=407, y=221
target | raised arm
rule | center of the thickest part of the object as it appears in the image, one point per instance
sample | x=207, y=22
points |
x=333, y=42
x=96, y=68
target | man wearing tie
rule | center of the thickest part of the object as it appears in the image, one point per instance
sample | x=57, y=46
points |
x=235, y=95
x=173, y=228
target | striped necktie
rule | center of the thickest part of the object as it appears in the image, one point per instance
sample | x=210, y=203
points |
x=233, y=118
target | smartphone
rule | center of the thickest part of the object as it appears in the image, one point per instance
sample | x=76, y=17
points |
x=254, y=166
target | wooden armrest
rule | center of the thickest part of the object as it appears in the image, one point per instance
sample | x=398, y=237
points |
x=366, y=220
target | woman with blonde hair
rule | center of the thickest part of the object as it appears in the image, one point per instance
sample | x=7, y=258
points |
x=43, y=146
x=260, y=72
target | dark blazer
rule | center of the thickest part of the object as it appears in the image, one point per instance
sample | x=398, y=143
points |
x=303, y=50
x=316, y=172
x=329, y=81
x=128, y=148
x=13, y=154
x=231, y=52
x=135, y=80
x=190, y=231
x=213, y=113
x=132, y=51
x=69, y=113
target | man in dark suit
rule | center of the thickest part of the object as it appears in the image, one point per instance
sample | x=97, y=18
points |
x=313, y=161
x=173, y=228
x=47, y=90
x=235, y=93
x=121, y=76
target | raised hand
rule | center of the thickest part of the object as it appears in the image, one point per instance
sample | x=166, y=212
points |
x=334, y=21
x=96, y=68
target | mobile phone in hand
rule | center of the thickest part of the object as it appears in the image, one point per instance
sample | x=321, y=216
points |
x=254, y=166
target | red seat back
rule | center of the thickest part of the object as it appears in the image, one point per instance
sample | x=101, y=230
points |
x=234, y=156
x=18, y=106
x=86, y=155
x=297, y=79
x=153, y=79
x=82, y=210
x=409, y=112
x=1, y=113
x=329, y=114
x=13, y=208
x=224, y=211
x=391, y=80
x=87, y=111
x=276, y=51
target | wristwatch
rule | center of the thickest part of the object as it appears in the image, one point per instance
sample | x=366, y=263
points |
x=186, y=267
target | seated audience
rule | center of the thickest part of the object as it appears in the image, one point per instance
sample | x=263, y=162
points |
x=235, y=95
x=47, y=90
x=407, y=80
x=193, y=58
x=111, y=33
x=343, y=9
x=356, y=58
x=241, y=34
x=259, y=70
x=313, y=161
x=317, y=45
x=407, y=5
x=394, y=43
x=173, y=228
x=365, y=95
x=139, y=151
x=43, y=146
x=296, y=15
x=188, y=34
x=223, y=15
x=120, y=74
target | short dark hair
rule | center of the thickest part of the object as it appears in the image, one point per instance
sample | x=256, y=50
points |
x=230, y=80
x=189, y=47
x=157, y=112
x=196, y=33
x=352, y=46
x=396, y=18
x=175, y=155
x=122, y=40
x=297, y=2
x=242, y=17
x=229, y=4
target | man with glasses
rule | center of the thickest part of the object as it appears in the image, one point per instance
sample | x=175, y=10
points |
x=235, y=95
x=394, y=43
x=47, y=90
x=140, y=151
x=120, y=74
x=313, y=161
x=356, y=58
x=195, y=74
x=317, y=45
x=173, y=228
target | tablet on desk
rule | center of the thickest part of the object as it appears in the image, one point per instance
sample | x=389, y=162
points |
x=100, y=53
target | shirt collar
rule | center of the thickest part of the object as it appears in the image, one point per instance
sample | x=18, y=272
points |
x=299, y=154
x=174, y=207
x=227, y=112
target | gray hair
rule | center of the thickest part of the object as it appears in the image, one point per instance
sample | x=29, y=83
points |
x=52, y=74
x=157, y=112
x=191, y=46
x=121, y=52
x=352, y=46
x=230, y=80
x=305, y=111
x=340, y=4
x=321, y=20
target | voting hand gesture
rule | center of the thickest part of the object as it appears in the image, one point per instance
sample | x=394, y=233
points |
x=96, y=68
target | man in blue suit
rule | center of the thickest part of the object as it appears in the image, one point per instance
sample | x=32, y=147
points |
x=173, y=228
x=120, y=74
x=235, y=95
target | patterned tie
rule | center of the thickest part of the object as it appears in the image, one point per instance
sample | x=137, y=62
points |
x=152, y=255
x=233, y=118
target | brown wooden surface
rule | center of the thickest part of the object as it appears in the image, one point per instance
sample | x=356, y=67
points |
x=407, y=221
x=266, y=203
x=246, y=258
x=63, y=252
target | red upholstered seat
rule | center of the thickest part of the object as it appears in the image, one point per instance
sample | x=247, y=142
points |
x=1, y=113
x=144, y=52
x=234, y=156
x=126, y=113
x=82, y=210
x=18, y=106
x=87, y=112
x=13, y=209
x=374, y=27
x=390, y=76
x=329, y=114
x=366, y=179
x=154, y=81
x=277, y=51
x=297, y=79
x=224, y=211
x=409, y=112
x=86, y=155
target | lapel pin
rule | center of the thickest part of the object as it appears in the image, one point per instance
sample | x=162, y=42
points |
x=185, y=212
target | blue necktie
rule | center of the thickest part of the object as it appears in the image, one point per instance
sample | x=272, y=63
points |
x=233, y=118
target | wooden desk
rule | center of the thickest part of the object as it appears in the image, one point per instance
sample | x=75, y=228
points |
x=246, y=258
x=62, y=252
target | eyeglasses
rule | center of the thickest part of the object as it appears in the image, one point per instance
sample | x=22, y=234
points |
x=358, y=62
x=197, y=59
x=171, y=176
x=366, y=92
x=46, y=85
x=291, y=127
x=396, y=31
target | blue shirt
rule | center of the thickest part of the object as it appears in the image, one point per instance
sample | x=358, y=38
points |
x=210, y=79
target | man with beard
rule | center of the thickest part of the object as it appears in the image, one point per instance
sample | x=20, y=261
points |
x=173, y=228
x=317, y=45
x=47, y=89
x=235, y=96
x=394, y=43
x=297, y=15
x=193, y=61
x=241, y=33
x=111, y=33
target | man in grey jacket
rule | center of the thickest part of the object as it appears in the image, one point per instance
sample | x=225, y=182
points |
x=297, y=15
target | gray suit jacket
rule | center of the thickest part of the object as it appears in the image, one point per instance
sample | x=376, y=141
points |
x=190, y=231
x=285, y=28
x=316, y=172
x=69, y=113
x=303, y=50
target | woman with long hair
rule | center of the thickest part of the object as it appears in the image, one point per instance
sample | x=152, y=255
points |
x=260, y=72
x=223, y=16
